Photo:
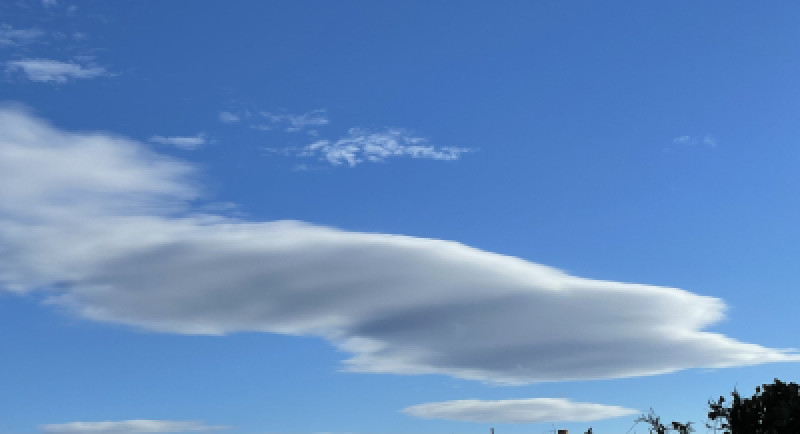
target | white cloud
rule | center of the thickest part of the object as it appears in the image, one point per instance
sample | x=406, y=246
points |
x=706, y=140
x=12, y=36
x=293, y=122
x=709, y=140
x=189, y=143
x=377, y=146
x=130, y=426
x=316, y=118
x=228, y=117
x=532, y=410
x=98, y=219
x=49, y=3
x=682, y=140
x=47, y=70
x=358, y=146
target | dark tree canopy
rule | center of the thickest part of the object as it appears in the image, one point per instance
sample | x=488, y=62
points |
x=773, y=409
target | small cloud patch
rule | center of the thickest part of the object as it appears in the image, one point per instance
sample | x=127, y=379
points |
x=687, y=140
x=228, y=117
x=293, y=123
x=187, y=143
x=54, y=71
x=360, y=146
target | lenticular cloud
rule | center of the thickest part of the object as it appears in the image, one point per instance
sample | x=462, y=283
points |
x=129, y=426
x=106, y=227
x=531, y=410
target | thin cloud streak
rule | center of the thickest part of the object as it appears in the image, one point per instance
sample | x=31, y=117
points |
x=130, y=426
x=532, y=410
x=9, y=36
x=705, y=140
x=54, y=71
x=109, y=224
x=293, y=123
x=189, y=143
x=228, y=118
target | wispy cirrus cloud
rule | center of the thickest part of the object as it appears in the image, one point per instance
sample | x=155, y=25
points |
x=687, y=140
x=293, y=123
x=9, y=36
x=131, y=426
x=55, y=71
x=189, y=143
x=109, y=224
x=227, y=117
x=532, y=410
x=277, y=121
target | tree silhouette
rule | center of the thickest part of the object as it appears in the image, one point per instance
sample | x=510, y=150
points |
x=773, y=409
x=683, y=428
x=656, y=427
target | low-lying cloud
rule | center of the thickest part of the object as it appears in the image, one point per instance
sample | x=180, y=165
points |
x=130, y=426
x=532, y=410
x=106, y=228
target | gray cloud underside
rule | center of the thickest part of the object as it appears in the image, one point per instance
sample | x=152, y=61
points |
x=532, y=410
x=105, y=224
x=130, y=426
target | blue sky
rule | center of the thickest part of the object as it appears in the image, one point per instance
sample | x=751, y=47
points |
x=394, y=216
